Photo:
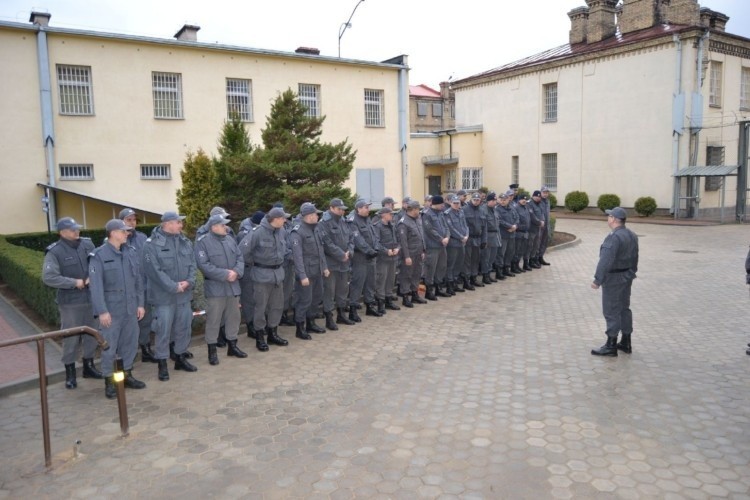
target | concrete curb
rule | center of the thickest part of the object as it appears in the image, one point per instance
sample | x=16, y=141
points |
x=567, y=244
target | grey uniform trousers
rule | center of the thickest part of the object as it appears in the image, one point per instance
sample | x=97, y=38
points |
x=289, y=286
x=455, y=263
x=335, y=290
x=222, y=311
x=247, y=298
x=616, y=306
x=145, y=326
x=269, y=304
x=510, y=251
x=172, y=322
x=532, y=246
x=72, y=315
x=472, y=260
x=408, y=276
x=543, y=240
x=521, y=244
x=385, y=277
x=435, y=264
x=489, y=255
x=363, y=279
x=307, y=298
x=122, y=337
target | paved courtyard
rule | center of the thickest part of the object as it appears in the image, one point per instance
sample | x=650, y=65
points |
x=491, y=394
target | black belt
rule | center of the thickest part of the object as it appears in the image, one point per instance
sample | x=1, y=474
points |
x=614, y=271
x=263, y=266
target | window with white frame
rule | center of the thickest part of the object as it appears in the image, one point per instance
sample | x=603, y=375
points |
x=514, y=170
x=167, y=89
x=550, y=102
x=714, y=157
x=437, y=109
x=549, y=171
x=745, y=89
x=75, y=89
x=239, y=99
x=155, y=171
x=450, y=180
x=374, y=108
x=421, y=109
x=714, y=97
x=471, y=178
x=76, y=172
x=309, y=95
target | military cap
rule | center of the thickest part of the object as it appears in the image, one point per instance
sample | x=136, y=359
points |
x=461, y=192
x=617, y=213
x=276, y=213
x=491, y=196
x=170, y=216
x=308, y=208
x=437, y=200
x=412, y=204
x=68, y=223
x=219, y=211
x=116, y=225
x=362, y=203
x=545, y=189
x=385, y=210
x=257, y=217
x=387, y=200
x=217, y=219
x=126, y=212
x=337, y=203
x=536, y=193
x=476, y=195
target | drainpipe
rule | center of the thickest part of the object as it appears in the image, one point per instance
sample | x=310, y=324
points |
x=403, y=123
x=697, y=120
x=677, y=127
x=41, y=21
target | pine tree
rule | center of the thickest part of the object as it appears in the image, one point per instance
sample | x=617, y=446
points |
x=199, y=191
x=235, y=151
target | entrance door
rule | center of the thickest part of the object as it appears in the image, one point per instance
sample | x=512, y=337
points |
x=434, y=184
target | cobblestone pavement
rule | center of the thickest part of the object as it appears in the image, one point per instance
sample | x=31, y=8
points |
x=492, y=394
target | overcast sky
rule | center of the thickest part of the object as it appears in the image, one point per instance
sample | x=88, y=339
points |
x=442, y=38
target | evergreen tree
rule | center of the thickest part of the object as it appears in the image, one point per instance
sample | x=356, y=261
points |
x=199, y=192
x=235, y=151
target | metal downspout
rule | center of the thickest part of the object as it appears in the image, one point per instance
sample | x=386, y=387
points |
x=695, y=130
x=48, y=128
x=676, y=135
x=403, y=124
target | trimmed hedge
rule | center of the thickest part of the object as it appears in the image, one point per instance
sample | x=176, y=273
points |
x=645, y=206
x=552, y=201
x=40, y=241
x=575, y=201
x=608, y=202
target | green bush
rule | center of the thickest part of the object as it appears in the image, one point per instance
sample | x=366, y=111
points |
x=608, y=202
x=552, y=201
x=645, y=206
x=21, y=270
x=575, y=201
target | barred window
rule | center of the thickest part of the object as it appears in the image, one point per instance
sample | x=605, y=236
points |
x=76, y=92
x=550, y=102
x=167, y=88
x=437, y=109
x=745, y=89
x=471, y=178
x=450, y=180
x=421, y=109
x=76, y=172
x=714, y=97
x=155, y=172
x=309, y=95
x=239, y=99
x=549, y=171
x=714, y=157
x=514, y=170
x=374, y=108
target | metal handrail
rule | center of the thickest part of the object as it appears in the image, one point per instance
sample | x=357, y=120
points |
x=68, y=332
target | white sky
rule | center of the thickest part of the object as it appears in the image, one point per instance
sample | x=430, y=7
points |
x=442, y=38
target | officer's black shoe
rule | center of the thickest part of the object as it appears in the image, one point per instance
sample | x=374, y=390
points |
x=147, y=355
x=233, y=350
x=273, y=337
x=457, y=286
x=440, y=293
x=624, y=344
x=407, y=301
x=213, y=358
x=391, y=304
x=492, y=278
x=381, y=306
x=286, y=320
x=312, y=327
x=172, y=355
x=188, y=354
x=250, y=329
x=499, y=276
x=301, y=333
x=608, y=349
x=535, y=264
x=70, y=376
x=163, y=370
x=416, y=299
x=486, y=279
x=506, y=272
x=430, y=293
x=353, y=315
x=110, y=392
x=449, y=289
x=131, y=382
x=526, y=267
x=89, y=370
x=544, y=262
x=477, y=282
x=222, y=340
x=515, y=269
x=342, y=319
x=371, y=310
x=330, y=324
x=183, y=364
x=468, y=285
x=260, y=340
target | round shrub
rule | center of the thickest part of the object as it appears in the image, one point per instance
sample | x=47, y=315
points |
x=645, y=206
x=575, y=201
x=552, y=201
x=608, y=202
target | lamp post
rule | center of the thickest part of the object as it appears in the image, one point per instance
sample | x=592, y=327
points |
x=346, y=25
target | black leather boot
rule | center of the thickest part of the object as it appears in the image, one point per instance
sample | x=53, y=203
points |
x=70, y=376
x=312, y=327
x=499, y=276
x=273, y=337
x=506, y=272
x=486, y=279
x=147, y=355
x=430, y=293
x=250, y=329
x=286, y=320
x=457, y=286
x=527, y=266
x=608, y=349
x=416, y=299
x=342, y=319
x=535, y=264
x=163, y=370
x=301, y=333
x=131, y=382
x=468, y=285
x=391, y=304
x=89, y=370
x=407, y=301
x=439, y=292
x=381, y=306
x=213, y=358
x=515, y=269
x=330, y=324
x=110, y=392
x=260, y=340
x=544, y=262
x=183, y=364
x=221, y=341
x=492, y=278
x=477, y=282
x=353, y=315
x=624, y=344
x=233, y=350
x=449, y=289
x=372, y=310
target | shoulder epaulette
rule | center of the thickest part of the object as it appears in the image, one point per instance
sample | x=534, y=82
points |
x=295, y=227
x=51, y=246
x=199, y=238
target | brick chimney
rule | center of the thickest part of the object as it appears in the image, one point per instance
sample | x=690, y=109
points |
x=639, y=15
x=714, y=20
x=188, y=33
x=308, y=50
x=579, y=19
x=682, y=12
x=601, y=22
x=40, y=18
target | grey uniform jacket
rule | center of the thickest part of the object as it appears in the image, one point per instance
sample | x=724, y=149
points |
x=456, y=222
x=116, y=285
x=411, y=236
x=215, y=256
x=364, y=237
x=618, y=257
x=506, y=218
x=493, y=228
x=388, y=237
x=524, y=218
x=336, y=239
x=265, y=249
x=537, y=215
x=64, y=263
x=435, y=228
x=167, y=260
x=476, y=220
x=307, y=251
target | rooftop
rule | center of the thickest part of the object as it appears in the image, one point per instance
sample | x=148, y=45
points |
x=422, y=90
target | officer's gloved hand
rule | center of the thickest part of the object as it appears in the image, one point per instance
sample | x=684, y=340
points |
x=483, y=246
x=371, y=254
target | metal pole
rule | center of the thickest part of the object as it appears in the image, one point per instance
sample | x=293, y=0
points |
x=347, y=24
x=122, y=406
x=742, y=157
x=45, y=406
